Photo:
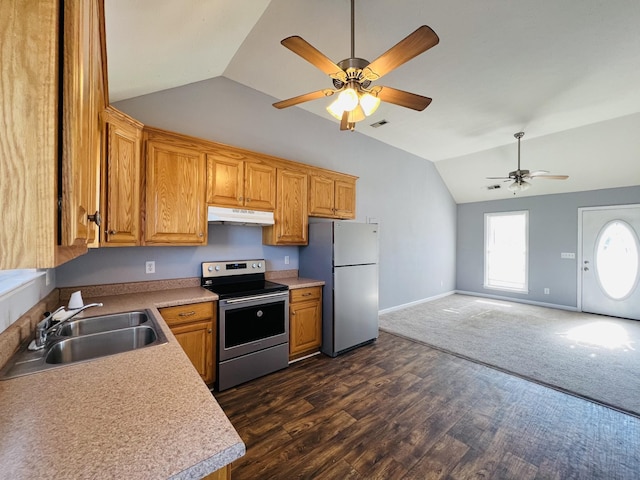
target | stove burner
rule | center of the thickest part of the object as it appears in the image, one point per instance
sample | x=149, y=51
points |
x=237, y=279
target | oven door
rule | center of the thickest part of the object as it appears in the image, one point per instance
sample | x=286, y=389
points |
x=250, y=324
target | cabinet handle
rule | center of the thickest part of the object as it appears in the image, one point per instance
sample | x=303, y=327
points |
x=293, y=313
x=248, y=200
x=111, y=232
x=187, y=314
x=96, y=218
x=239, y=199
x=201, y=234
x=209, y=331
x=306, y=294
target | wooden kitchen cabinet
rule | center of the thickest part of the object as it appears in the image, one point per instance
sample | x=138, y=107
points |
x=332, y=197
x=175, y=206
x=291, y=218
x=121, y=179
x=235, y=180
x=83, y=81
x=49, y=129
x=194, y=326
x=305, y=321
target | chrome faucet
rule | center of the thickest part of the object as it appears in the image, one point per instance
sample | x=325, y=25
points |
x=44, y=328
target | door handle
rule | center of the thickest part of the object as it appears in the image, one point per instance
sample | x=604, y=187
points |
x=586, y=269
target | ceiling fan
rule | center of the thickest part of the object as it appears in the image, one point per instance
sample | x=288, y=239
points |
x=352, y=76
x=520, y=176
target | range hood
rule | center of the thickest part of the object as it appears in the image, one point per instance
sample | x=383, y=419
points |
x=239, y=216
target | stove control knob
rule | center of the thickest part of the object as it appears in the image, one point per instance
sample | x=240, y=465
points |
x=210, y=268
x=253, y=265
x=260, y=265
x=217, y=268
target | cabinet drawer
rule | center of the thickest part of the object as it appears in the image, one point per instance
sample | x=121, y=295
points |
x=187, y=313
x=305, y=294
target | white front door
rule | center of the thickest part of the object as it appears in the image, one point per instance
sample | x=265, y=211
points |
x=610, y=263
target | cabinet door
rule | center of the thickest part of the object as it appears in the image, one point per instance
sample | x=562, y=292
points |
x=29, y=133
x=196, y=339
x=121, y=179
x=321, y=196
x=225, y=181
x=83, y=100
x=305, y=317
x=345, y=195
x=175, y=195
x=259, y=186
x=291, y=218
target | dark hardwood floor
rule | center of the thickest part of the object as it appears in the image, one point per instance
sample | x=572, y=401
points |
x=401, y=410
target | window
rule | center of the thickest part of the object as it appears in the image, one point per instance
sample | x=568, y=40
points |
x=506, y=251
x=12, y=279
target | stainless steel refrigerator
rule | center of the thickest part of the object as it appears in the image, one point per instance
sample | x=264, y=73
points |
x=345, y=256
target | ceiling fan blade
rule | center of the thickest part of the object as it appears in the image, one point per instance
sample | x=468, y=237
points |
x=537, y=173
x=314, y=56
x=402, y=98
x=304, y=98
x=498, y=178
x=411, y=46
x=553, y=177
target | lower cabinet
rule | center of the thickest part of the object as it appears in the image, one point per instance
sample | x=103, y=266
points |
x=194, y=326
x=223, y=474
x=305, y=321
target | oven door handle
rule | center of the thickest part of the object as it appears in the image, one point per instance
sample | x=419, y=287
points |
x=232, y=301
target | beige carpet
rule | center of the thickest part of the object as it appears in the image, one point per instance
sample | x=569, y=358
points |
x=592, y=356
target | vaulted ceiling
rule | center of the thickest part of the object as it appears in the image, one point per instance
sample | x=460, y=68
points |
x=567, y=73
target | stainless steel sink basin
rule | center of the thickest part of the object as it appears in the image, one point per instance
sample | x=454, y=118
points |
x=87, y=347
x=103, y=323
x=87, y=339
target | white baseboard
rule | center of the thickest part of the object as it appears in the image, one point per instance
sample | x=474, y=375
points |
x=417, y=302
x=518, y=300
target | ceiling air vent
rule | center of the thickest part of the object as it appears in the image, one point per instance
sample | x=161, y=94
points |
x=493, y=187
x=379, y=124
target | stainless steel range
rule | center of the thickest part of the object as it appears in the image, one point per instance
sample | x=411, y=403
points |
x=253, y=321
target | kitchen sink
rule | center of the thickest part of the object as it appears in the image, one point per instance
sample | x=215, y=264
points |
x=103, y=323
x=87, y=339
x=87, y=347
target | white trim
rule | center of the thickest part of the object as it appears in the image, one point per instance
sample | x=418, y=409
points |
x=518, y=300
x=417, y=302
x=12, y=280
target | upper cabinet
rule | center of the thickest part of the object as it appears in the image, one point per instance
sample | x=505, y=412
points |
x=234, y=179
x=175, y=183
x=291, y=219
x=83, y=99
x=49, y=129
x=121, y=179
x=332, y=196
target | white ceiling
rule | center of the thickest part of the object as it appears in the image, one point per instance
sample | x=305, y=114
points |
x=501, y=66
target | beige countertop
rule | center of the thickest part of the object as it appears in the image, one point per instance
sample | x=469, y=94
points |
x=136, y=415
x=299, y=282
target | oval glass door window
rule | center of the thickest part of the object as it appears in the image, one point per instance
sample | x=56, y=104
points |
x=617, y=259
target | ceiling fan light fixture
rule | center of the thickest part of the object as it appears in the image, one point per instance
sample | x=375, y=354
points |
x=369, y=103
x=519, y=186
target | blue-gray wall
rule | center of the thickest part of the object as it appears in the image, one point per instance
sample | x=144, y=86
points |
x=553, y=229
x=406, y=195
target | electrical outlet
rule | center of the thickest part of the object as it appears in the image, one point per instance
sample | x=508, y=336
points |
x=150, y=267
x=569, y=255
x=286, y=259
x=546, y=291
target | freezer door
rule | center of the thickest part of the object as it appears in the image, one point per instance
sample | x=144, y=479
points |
x=355, y=243
x=355, y=306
